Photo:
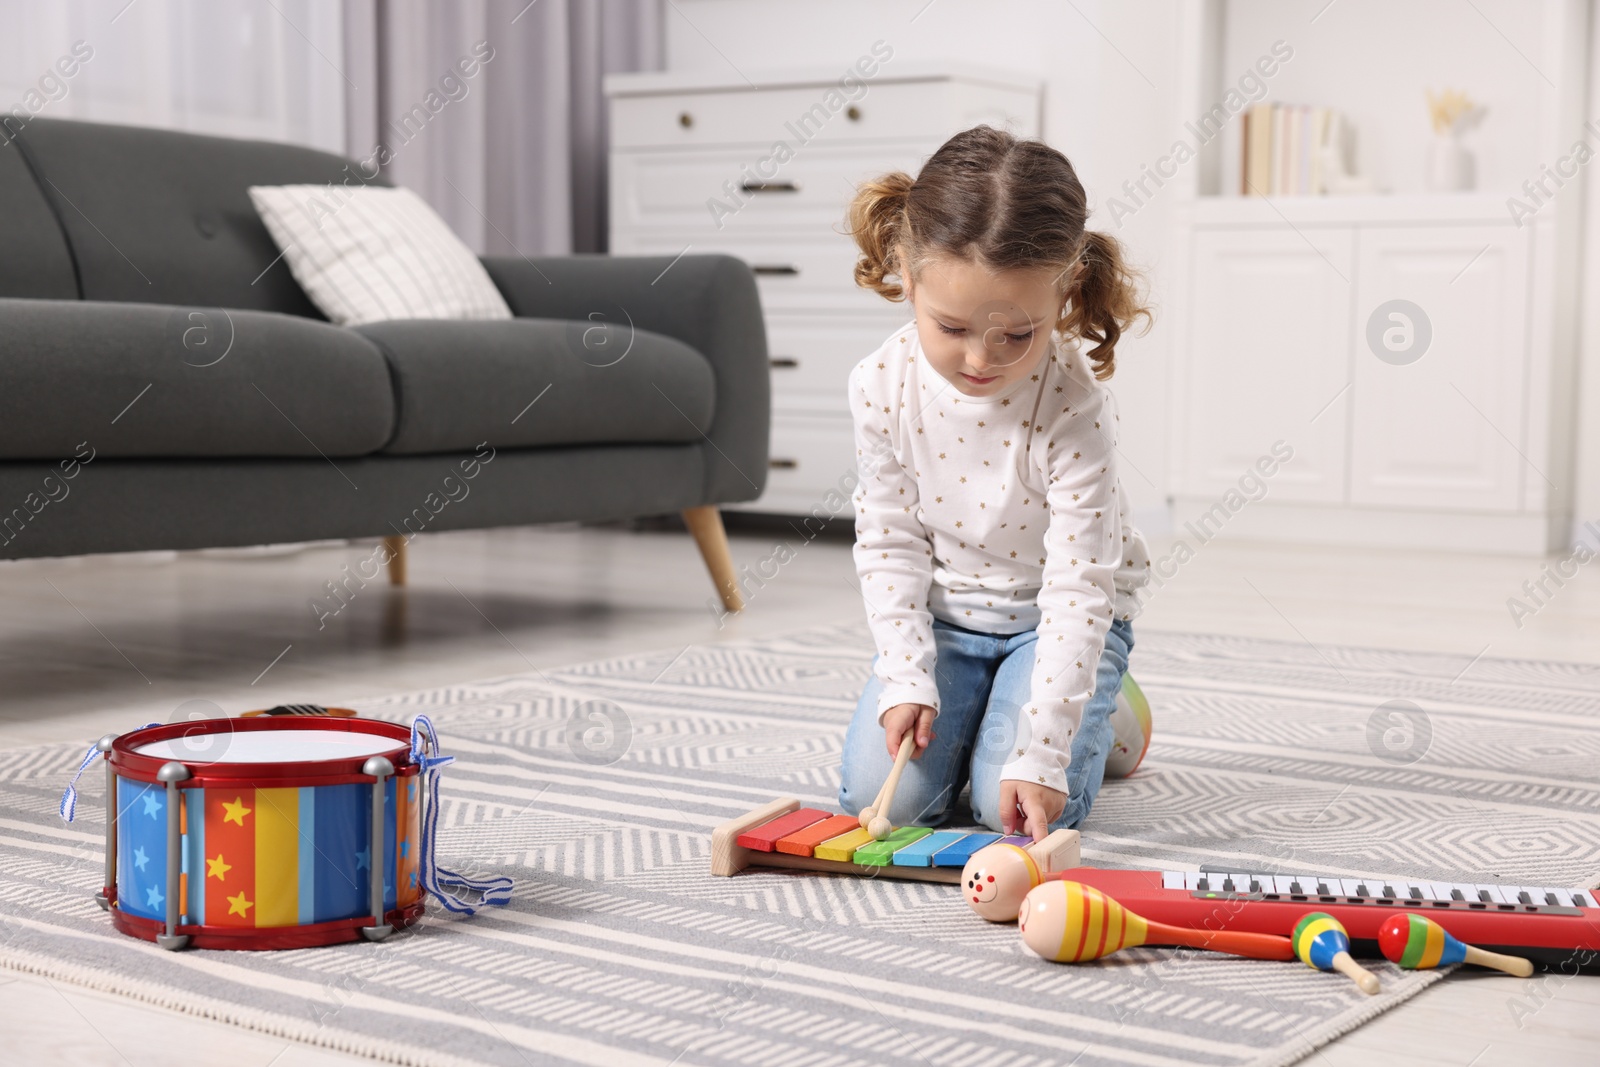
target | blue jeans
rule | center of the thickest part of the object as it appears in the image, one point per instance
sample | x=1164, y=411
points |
x=984, y=682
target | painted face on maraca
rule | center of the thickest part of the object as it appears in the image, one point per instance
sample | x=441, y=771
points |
x=996, y=879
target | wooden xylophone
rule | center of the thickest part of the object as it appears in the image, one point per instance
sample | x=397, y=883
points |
x=1556, y=928
x=784, y=834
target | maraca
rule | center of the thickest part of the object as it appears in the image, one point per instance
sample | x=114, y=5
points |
x=1070, y=922
x=1417, y=942
x=1322, y=942
x=996, y=878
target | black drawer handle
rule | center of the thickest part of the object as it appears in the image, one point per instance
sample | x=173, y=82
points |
x=775, y=268
x=768, y=187
x=783, y=464
x=784, y=361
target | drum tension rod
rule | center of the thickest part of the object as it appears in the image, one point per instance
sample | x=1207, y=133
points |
x=104, y=897
x=378, y=768
x=171, y=774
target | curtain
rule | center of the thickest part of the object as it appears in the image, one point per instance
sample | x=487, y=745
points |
x=492, y=110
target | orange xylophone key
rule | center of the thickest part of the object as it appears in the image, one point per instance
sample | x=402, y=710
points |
x=805, y=842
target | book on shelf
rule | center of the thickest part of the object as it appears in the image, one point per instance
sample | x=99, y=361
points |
x=1285, y=149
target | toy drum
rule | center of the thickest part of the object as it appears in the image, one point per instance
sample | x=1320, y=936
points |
x=263, y=833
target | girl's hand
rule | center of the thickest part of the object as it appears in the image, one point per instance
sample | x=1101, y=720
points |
x=903, y=717
x=1032, y=807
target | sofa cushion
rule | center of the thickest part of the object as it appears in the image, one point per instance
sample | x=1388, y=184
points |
x=33, y=252
x=154, y=381
x=163, y=217
x=528, y=382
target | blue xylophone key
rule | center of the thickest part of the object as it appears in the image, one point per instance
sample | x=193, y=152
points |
x=956, y=855
x=920, y=853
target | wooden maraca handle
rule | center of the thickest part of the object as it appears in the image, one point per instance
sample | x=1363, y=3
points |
x=1364, y=979
x=1234, y=942
x=1510, y=964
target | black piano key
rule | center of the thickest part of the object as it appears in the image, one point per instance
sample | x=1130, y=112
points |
x=1323, y=890
x=1483, y=895
x=1362, y=890
x=1203, y=884
x=1255, y=885
x=1388, y=892
x=1524, y=897
x=1550, y=898
x=1227, y=885
x=1456, y=894
x=1580, y=900
x=1294, y=887
x=1416, y=894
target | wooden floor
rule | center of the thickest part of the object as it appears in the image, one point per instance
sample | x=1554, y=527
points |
x=91, y=645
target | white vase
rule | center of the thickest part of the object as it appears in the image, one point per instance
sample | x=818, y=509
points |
x=1449, y=166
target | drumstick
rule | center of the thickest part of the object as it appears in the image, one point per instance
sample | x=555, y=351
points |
x=870, y=812
x=879, y=826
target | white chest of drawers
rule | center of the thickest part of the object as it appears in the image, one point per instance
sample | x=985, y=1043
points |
x=766, y=172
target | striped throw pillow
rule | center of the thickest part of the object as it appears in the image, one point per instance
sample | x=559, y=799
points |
x=372, y=254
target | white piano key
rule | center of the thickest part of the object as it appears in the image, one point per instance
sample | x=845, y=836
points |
x=1439, y=890
x=1348, y=887
x=1468, y=892
x=1191, y=880
x=1172, y=879
x=1534, y=896
x=1546, y=893
x=1495, y=896
x=1564, y=897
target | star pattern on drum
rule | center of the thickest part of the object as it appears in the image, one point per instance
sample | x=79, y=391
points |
x=235, y=811
x=239, y=905
x=152, y=804
x=217, y=868
x=153, y=897
x=364, y=860
x=139, y=858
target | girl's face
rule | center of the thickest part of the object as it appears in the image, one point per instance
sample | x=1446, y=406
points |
x=984, y=331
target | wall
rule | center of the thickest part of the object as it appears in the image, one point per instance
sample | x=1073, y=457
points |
x=1109, y=72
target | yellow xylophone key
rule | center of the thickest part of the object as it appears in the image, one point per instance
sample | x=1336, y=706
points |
x=843, y=846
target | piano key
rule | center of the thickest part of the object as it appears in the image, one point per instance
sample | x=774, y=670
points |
x=1490, y=894
x=1257, y=883
x=1563, y=897
x=1413, y=891
x=958, y=854
x=1551, y=898
x=1523, y=896
x=1191, y=880
x=1172, y=879
x=920, y=853
x=1386, y=891
x=1350, y=887
x=1280, y=883
x=1459, y=891
x=1582, y=900
x=1439, y=890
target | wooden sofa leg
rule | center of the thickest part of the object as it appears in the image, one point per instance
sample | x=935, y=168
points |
x=395, y=548
x=705, y=523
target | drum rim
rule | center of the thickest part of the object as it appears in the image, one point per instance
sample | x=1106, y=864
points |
x=140, y=767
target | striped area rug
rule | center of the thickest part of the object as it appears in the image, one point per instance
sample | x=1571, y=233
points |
x=597, y=787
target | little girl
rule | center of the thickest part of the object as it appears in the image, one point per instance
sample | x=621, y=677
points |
x=996, y=561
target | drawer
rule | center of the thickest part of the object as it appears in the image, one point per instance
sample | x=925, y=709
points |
x=745, y=193
x=792, y=274
x=804, y=114
x=812, y=356
x=812, y=467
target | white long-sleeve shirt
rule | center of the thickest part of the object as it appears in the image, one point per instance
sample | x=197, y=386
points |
x=1001, y=514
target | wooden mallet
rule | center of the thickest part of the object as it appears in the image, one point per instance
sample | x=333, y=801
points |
x=875, y=817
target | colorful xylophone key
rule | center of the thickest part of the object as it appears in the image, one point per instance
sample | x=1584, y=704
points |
x=783, y=834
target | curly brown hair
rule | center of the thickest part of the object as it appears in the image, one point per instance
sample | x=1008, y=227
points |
x=1008, y=203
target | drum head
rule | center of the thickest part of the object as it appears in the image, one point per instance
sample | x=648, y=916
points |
x=274, y=746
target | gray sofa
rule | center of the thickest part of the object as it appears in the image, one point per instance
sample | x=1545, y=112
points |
x=166, y=384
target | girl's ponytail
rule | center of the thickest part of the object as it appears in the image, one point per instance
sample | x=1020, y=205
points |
x=1105, y=302
x=877, y=218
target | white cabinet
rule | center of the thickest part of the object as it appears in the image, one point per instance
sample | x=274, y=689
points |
x=1271, y=323
x=1393, y=344
x=1441, y=426
x=695, y=167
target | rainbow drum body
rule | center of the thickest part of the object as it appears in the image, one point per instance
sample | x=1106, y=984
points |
x=263, y=833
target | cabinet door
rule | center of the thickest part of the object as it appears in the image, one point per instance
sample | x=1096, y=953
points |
x=1440, y=426
x=1269, y=359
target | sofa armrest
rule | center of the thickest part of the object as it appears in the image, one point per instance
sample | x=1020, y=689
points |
x=707, y=301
